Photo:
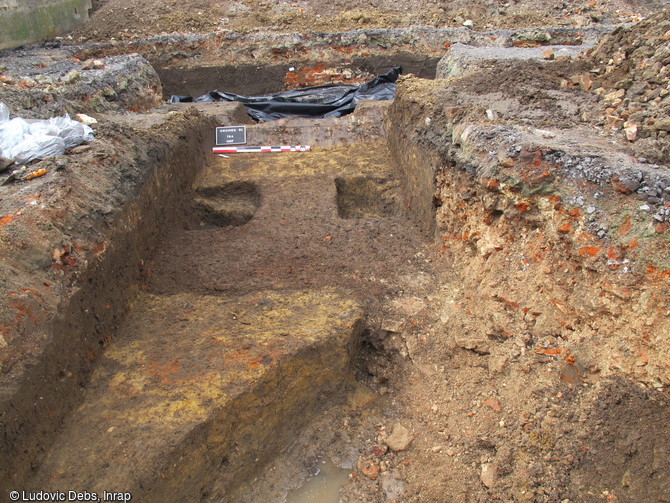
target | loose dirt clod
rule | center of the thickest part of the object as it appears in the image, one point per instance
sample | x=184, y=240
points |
x=399, y=439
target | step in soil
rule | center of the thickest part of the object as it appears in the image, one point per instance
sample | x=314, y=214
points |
x=199, y=383
x=247, y=324
x=330, y=217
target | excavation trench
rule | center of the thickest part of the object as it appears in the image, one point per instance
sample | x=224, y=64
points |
x=252, y=318
x=247, y=314
x=471, y=261
x=255, y=80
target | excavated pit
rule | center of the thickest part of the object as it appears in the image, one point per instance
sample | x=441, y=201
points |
x=250, y=320
x=361, y=197
x=257, y=80
x=234, y=203
x=451, y=261
x=285, y=276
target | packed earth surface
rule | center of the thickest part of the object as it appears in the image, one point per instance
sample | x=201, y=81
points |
x=458, y=295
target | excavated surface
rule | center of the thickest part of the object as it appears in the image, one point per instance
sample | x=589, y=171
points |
x=296, y=237
x=238, y=315
x=198, y=388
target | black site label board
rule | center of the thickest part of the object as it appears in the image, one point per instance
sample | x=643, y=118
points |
x=231, y=135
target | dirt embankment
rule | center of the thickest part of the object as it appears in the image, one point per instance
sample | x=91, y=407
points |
x=73, y=244
x=129, y=19
x=535, y=366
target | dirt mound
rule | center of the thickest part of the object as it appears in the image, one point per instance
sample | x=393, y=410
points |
x=526, y=92
x=632, y=74
x=41, y=84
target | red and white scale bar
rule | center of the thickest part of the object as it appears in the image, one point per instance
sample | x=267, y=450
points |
x=241, y=150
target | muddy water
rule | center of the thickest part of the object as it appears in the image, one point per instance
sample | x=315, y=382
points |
x=324, y=487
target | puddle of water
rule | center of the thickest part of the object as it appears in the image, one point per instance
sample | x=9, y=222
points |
x=321, y=488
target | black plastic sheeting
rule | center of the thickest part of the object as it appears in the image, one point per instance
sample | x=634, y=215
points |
x=331, y=100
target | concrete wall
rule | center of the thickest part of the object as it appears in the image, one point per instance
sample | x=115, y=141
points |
x=26, y=21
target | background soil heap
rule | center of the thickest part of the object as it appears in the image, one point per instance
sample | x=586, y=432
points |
x=131, y=19
x=632, y=74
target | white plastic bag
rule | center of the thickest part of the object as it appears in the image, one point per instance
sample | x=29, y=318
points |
x=44, y=137
x=11, y=134
x=4, y=113
x=43, y=128
x=36, y=147
x=73, y=133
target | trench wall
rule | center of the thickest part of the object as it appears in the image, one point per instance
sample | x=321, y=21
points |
x=522, y=262
x=101, y=286
x=418, y=167
x=26, y=21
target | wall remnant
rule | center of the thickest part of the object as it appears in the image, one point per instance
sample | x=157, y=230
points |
x=36, y=20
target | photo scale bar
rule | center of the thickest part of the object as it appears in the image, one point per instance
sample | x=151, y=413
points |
x=242, y=150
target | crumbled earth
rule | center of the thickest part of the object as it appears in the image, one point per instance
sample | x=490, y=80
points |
x=130, y=19
x=516, y=349
x=42, y=84
x=526, y=93
x=632, y=75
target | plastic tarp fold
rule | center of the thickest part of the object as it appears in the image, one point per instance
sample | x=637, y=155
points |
x=330, y=100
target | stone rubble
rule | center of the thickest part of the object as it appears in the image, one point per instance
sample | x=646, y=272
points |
x=632, y=74
x=399, y=439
